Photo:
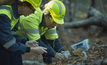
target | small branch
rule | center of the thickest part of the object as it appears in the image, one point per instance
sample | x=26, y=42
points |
x=33, y=63
x=103, y=46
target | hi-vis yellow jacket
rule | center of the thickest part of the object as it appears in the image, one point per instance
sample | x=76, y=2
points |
x=33, y=27
x=8, y=18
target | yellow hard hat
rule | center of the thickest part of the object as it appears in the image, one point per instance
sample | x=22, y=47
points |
x=34, y=3
x=57, y=11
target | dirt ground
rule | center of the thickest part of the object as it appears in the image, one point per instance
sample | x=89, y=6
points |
x=72, y=36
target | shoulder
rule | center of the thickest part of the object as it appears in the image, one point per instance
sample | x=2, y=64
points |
x=35, y=18
x=7, y=10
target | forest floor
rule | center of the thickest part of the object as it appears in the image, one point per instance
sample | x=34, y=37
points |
x=72, y=36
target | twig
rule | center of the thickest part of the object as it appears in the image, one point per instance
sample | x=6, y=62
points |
x=102, y=46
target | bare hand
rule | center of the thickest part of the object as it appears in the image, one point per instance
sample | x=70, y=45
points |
x=39, y=50
x=32, y=43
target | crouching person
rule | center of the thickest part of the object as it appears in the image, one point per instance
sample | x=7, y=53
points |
x=41, y=27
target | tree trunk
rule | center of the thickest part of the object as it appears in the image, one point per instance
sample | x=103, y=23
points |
x=96, y=20
x=93, y=5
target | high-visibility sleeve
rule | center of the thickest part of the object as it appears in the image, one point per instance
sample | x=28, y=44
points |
x=7, y=40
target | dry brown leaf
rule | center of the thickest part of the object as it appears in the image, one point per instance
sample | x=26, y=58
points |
x=78, y=51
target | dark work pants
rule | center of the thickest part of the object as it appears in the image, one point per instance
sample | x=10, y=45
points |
x=9, y=58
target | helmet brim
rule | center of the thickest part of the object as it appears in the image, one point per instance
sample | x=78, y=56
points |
x=58, y=21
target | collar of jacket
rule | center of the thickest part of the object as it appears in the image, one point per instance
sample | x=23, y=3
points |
x=15, y=10
x=42, y=22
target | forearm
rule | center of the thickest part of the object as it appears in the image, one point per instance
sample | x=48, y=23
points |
x=19, y=48
x=20, y=38
x=7, y=40
x=56, y=44
x=49, y=49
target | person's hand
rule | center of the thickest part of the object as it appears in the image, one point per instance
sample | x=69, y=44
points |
x=31, y=43
x=59, y=56
x=39, y=50
x=66, y=54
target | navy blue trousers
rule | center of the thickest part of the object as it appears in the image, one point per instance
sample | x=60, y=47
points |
x=9, y=58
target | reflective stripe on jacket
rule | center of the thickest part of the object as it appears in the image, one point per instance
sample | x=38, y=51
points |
x=7, y=10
